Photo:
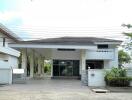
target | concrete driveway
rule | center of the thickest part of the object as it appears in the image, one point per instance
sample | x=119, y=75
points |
x=56, y=90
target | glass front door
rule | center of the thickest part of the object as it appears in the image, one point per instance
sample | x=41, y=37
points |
x=66, y=67
x=69, y=68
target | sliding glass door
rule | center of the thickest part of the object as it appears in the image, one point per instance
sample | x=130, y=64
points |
x=65, y=67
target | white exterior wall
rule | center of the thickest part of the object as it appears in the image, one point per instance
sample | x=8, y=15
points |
x=6, y=64
x=13, y=62
x=107, y=64
x=5, y=73
x=96, y=77
x=8, y=60
x=99, y=54
x=114, y=62
x=110, y=58
x=66, y=55
x=5, y=76
x=46, y=53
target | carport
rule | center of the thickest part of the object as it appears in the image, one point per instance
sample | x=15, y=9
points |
x=70, y=56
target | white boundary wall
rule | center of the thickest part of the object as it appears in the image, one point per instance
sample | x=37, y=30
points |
x=129, y=73
x=96, y=77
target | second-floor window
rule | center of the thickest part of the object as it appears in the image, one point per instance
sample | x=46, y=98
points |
x=4, y=40
x=102, y=46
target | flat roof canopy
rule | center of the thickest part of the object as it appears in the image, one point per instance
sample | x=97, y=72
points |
x=52, y=46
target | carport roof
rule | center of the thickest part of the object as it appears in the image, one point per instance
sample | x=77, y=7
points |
x=70, y=41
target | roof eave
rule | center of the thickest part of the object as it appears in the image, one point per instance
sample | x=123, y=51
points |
x=9, y=33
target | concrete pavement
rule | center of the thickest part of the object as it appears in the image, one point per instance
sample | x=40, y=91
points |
x=56, y=90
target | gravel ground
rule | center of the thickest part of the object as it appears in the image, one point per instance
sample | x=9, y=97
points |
x=56, y=90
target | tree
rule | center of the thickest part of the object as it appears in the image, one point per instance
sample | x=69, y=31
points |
x=128, y=45
x=123, y=57
x=47, y=66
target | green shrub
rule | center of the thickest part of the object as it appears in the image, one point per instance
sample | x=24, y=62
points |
x=47, y=66
x=117, y=77
x=118, y=81
x=46, y=69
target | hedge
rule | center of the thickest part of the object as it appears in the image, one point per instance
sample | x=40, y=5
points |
x=118, y=81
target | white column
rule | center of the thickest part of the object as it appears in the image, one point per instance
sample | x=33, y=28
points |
x=84, y=75
x=31, y=64
x=39, y=65
x=24, y=61
x=42, y=65
x=51, y=68
x=83, y=60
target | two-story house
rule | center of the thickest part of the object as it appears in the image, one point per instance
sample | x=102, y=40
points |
x=72, y=57
x=8, y=56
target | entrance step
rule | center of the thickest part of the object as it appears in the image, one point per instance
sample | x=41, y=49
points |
x=18, y=79
x=65, y=77
x=100, y=90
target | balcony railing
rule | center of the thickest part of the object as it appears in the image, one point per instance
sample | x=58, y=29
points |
x=100, y=54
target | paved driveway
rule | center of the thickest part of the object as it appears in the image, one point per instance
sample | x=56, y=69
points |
x=56, y=90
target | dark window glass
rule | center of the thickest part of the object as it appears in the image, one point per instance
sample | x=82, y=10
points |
x=69, y=67
x=56, y=70
x=95, y=64
x=66, y=49
x=55, y=62
x=102, y=46
x=66, y=67
x=75, y=68
x=4, y=39
x=62, y=62
x=63, y=70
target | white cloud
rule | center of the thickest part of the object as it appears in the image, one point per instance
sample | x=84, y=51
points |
x=51, y=18
x=83, y=13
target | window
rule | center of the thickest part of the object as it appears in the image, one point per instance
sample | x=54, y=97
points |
x=65, y=49
x=94, y=64
x=65, y=67
x=4, y=42
x=102, y=46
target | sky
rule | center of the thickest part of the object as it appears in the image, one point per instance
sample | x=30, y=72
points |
x=36, y=19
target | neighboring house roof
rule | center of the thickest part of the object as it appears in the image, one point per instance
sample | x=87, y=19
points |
x=70, y=41
x=9, y=33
